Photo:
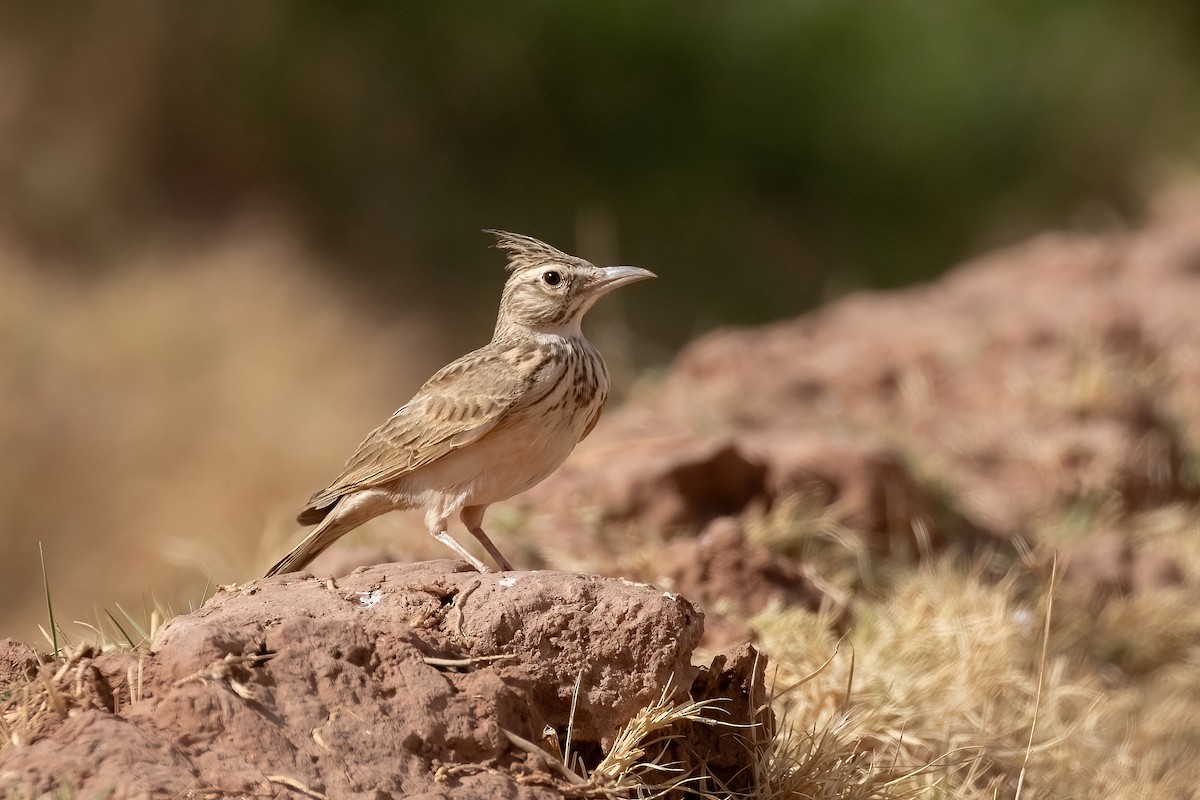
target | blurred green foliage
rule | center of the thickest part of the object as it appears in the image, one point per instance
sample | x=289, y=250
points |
x=758, y=156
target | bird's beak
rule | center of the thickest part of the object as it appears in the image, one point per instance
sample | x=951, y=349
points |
x=610, y=278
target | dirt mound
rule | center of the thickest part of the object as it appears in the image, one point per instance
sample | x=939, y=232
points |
x=395, y=681
x=1047, y=372
x=1063, y=370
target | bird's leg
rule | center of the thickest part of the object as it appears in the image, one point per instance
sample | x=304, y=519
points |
x=449, y=541
x=445, y=538
x=435, y=522
x=472, y=517
x=491, y=548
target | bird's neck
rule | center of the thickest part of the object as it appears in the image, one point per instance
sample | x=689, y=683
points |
x=506, y=329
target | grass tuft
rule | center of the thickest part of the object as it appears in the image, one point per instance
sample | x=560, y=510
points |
x=52, y=635
x=634, y=762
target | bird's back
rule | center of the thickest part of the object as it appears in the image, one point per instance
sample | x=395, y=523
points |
x=497, y=420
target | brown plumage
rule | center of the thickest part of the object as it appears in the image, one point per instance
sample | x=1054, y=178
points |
x=489, y=425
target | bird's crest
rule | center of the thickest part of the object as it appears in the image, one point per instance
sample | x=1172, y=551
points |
x=525, y=251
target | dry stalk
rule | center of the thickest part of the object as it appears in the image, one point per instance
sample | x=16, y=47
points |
x=224, y=672
x=625, y=767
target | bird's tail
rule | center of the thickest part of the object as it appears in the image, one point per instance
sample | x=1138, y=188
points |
x=334, y=526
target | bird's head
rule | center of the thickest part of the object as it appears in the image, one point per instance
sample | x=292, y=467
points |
x=550, y=291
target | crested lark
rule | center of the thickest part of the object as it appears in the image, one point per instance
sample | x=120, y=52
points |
x=489, y=425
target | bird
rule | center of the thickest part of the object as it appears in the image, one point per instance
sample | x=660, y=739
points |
x=489, y=425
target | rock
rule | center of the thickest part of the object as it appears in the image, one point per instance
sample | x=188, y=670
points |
x=740, y=677
x=395, y=681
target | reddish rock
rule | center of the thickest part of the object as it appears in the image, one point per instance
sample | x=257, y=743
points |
x=394, y=681
x=739, y=676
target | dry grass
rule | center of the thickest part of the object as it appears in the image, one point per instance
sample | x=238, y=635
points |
x=61, y=687
x=637, y=763
x=945, y=673
x=634, y=762
x=1102, y=379
x=813, y=533
x=65, y=679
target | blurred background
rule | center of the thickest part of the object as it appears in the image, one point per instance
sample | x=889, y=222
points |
x=235, y=236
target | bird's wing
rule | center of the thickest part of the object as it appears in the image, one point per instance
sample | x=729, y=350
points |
x=458, y=405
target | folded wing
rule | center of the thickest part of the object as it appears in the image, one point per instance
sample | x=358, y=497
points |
x=458, y=405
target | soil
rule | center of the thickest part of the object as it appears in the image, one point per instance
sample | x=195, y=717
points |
x=398, y=680
x=1064, y=372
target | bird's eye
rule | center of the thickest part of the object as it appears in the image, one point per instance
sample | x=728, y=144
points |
x=552, y=277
